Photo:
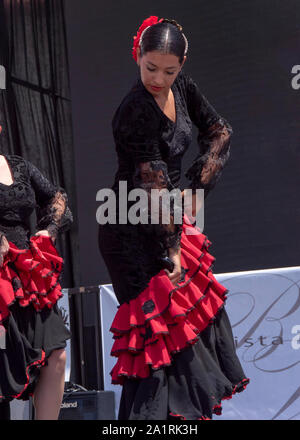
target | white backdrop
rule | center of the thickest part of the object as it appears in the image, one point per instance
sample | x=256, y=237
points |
x=63, y=304
x=264, y=310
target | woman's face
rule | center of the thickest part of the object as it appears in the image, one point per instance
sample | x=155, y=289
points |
x=158, y=71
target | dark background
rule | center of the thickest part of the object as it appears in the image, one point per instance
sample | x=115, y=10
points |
x=241, y=54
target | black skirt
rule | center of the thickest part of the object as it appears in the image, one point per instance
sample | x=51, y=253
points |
x=27, y=342
x=196, y=383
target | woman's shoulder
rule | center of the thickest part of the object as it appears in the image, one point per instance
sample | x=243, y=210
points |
x=184, y=82
x=19, y=165
x=137, y=96
x=14, y=157
x=136, y=105
x=23, y=166
x=16, y=160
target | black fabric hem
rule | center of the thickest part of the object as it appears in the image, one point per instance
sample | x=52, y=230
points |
x=216, y=409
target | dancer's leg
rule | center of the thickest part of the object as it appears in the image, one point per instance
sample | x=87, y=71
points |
x=49, y=390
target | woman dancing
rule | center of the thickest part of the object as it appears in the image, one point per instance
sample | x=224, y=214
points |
x=32, y=331
x=172, y=337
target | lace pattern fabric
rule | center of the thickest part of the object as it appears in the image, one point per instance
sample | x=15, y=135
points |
x=207, y=168
x=214, y=138
x=56, y=215
x=151, y=176
x=30, y=191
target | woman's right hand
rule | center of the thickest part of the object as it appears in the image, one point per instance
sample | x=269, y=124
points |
x=4, y=248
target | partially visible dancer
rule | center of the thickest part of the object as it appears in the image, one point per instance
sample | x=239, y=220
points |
x=176, y=357
x=32, y=331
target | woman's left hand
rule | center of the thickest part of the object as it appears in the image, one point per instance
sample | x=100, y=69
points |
x=45, y=233
x=4, y=248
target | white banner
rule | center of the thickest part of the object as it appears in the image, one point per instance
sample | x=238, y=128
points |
x=63, y=304
x=108, y=309
x=264, y=310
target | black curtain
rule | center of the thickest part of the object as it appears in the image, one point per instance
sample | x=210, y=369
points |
x=35, y=112
x=35, y=108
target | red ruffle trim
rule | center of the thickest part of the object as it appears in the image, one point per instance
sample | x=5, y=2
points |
x=164, y=319
x=36, y=279
x=39, y=363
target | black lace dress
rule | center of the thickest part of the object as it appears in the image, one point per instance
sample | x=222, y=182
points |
x=31, y=324
x=174, y=345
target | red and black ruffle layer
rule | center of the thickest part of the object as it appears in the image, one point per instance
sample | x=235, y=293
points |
x=30, y=275
x=164, y=319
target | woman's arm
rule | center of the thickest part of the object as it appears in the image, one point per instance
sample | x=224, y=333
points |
x=213, y=140
x=53, y=213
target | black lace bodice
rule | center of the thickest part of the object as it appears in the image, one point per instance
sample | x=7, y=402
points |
x=31, y=191
x=150, y=146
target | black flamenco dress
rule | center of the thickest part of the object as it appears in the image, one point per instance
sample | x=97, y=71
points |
x=31, y=323
x=174, y=347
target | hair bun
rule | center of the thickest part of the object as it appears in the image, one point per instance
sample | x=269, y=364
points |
x=174, y=22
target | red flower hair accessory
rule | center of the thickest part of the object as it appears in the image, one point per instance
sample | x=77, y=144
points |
x=136, y=39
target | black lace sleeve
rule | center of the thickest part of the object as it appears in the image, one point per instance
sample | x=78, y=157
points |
x=136, y=128
x=53, y=213
x=213, y=140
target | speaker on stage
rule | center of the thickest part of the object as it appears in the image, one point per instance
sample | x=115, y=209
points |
x=88, y=405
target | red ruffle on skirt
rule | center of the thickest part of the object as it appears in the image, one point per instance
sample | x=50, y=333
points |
x=164, y=319
x=36, y=278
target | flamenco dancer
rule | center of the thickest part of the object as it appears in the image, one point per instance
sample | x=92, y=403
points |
x=172, y=337
x=32, y=331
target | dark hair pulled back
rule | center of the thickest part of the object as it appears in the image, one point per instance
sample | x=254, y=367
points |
x=166, y=37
